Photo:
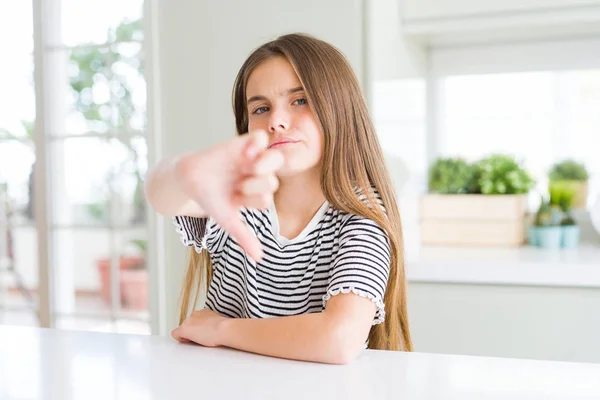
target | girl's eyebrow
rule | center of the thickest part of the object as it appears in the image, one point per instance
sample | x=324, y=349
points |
x=285, y=93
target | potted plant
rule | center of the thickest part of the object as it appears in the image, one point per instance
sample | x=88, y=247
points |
x=574, y=174
x=554, y=225
x=545, y=232
x=484, y=203
x=570, y=231
x=501, y=174
x=134, y=281
x=450, y=176
x=132, y=278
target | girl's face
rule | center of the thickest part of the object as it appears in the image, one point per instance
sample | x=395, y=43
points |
x=277, y=104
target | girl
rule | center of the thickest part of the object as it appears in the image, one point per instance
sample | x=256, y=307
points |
x=294, y=225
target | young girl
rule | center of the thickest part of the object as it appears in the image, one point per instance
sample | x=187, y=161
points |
x=294, y=225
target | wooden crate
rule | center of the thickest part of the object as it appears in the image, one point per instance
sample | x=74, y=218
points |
x=473, y=220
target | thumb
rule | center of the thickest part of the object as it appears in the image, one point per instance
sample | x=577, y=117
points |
x=233, y=224
x=257, y=142
x=178, y=335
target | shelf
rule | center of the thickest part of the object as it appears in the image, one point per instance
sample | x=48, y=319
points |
x=526, y=266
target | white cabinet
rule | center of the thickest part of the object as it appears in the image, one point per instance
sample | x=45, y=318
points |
x=434, y=9
x=531, y=322
x=479, y=21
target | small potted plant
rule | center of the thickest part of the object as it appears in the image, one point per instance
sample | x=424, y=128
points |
x=570, y=230
x=544, y=232
x=573, y=174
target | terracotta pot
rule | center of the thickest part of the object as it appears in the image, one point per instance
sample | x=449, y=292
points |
x=125, y=264
x=134, y=289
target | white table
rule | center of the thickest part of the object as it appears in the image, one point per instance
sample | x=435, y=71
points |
x=51, y=364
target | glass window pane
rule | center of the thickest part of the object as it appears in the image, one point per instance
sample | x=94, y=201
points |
x=80, y=92
x=127, y=182
x=100, y=21
x=81, y=170
x=540, y=117
x=128, y=87
x=81, y=280
x=17, y=163
x=97, y=90
x=132, y=244
x=18, y=238
x=18, y=267
x=86, y=170
x=16, y=28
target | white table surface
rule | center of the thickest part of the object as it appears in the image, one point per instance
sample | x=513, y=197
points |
x=51, y=364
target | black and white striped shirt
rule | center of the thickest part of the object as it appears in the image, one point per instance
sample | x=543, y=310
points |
x=336, y=253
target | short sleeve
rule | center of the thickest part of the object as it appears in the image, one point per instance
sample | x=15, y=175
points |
x=362, y=263
x=202, y=233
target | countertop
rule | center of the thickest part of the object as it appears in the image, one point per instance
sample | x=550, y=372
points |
x=40, y=363
x=578, y=267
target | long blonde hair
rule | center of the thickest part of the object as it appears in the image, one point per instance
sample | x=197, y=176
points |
x=352, y=158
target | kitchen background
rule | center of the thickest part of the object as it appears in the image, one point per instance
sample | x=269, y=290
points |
x=488, y=111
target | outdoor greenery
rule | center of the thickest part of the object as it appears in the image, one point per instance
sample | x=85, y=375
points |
x=87, y=67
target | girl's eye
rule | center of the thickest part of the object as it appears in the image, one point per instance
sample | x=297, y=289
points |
x=301, y=102
x=260, y=110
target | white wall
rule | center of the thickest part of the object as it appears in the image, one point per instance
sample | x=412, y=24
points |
x=390, y=55
x=200, y=46
x=543, y=323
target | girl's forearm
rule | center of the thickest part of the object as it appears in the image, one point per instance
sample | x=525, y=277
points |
x=315, y=337
x=164, y=192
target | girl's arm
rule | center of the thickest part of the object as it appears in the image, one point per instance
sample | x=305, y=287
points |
x=165, y=192
x=334, y=336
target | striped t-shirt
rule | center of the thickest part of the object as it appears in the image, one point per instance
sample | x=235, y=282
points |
x=336, y=253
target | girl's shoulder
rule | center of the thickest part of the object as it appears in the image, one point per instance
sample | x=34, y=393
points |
x=370, y=197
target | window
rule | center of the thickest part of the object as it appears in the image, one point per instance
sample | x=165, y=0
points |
x=539, y=101
x=18, y=267
x=540, y=117
x=93, y=137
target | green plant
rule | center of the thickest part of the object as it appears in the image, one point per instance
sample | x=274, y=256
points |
x=98, y=211
x=94, y=67
x=562, y=194
x=543, y=216
x=568, y=170
x=501, y=174
x=142, y=246
x=450, y=176
x=568, y=220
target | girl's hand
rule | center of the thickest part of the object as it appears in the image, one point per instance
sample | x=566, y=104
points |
x=201, y=327
x=235, y=174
